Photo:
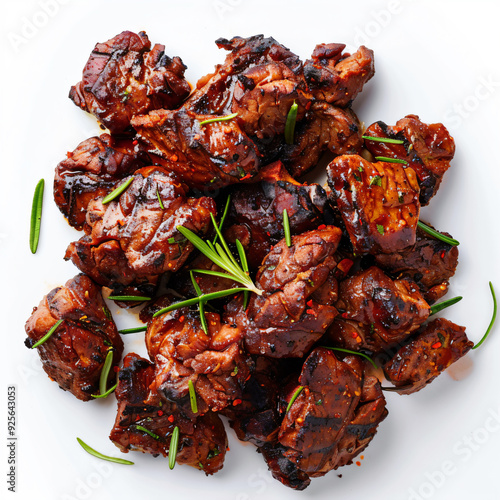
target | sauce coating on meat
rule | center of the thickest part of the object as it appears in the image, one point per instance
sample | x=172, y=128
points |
x=428, y=149
x=378, y=203
x=124, y=77
x=75, y=353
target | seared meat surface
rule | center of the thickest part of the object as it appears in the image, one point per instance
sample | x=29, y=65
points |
x=74, y=354
x=124, y=77
x=428, y=149
x=430, y=263
x=378, y=203
x=434, y=348
x=376, y=311
x=92, y=170
x=128, y=241
x=215, y=363
x=202, y=441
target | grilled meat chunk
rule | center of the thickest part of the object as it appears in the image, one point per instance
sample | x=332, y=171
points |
x=337, y=77
x=430, y=263
x=428, y=149
x=295, y=308
x=376, y=312
x=202, y=440
x=128, y=239
x=433, y=348
x=74, y=355
x=325, y=127
x=215, y=363
x=378, y=203
x=92, y=170
x=256, y=213
x=124, y=77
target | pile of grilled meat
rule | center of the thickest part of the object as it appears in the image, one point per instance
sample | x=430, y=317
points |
x=359, y=274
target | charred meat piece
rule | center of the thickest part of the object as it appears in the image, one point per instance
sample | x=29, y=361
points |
x=129, y=239
x=74, y=355
x=256, y=213
x=92, y=170
x=428, y=149
x=288, y=318
x=215, y=363
x=337, y=77
x=325, y=127
x=378, y=203
x=377, y=312
x=214, y=154
x=430, y=263
x=124, y=77
x=433, y=349
x=202, y=441
x=317, y=419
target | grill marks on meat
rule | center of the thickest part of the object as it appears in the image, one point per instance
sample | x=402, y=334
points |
x=127, y=239
x=202, y=440
x=256, y=213
x=428, y=149
x=337, y=77
x=92, y=170
x=377, y=312
x=430, y=263
x=75, y=353
x=124, y=77
x=433, y=349
x=378, y=203
x=292, y=313
x=215, y=363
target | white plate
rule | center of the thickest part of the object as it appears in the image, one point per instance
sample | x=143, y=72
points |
x=435, y=59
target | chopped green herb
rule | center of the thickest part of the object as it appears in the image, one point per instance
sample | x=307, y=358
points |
x=382, y=139
x=117, y=191
x=493, y=317
x=443, y=305
x=348, y=351
x=147, y=431
x=47, y=335
x=36, y=215
x=219, y=119
x=291, y=119
x=95, y=453
x=380, y=229
x=391, y=160
x=286, y=228
x=437, y=234
x=192, y=397
x=376, y=181
x=294, y=397
x=174, y=445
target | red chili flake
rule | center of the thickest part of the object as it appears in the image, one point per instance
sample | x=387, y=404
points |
x=308, y=105
x=268, y=233
x=358, y=463
x=344, y=315
x=116, y=369
x=323, y=226
x=171, y=418
x=135, y=142
x=345, y=265
x=310, y=303
x=160, y=413
x=227, y=449
x=312, y=312
x=196, y=137
x=181, y=319
x=237, y=402
x=137, y=418
x=362, y=457
x=354, y=335
x=174, y=158
x=436, y=345
x=69, y=154
x=248, y=176
x=227, y=130
x=443, y=253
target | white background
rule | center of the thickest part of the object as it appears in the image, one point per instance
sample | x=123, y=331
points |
x=438, y=59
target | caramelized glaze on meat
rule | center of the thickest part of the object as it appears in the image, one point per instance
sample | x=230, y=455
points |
x=124, y=77
x=74, y=355
x=433, y=349
x=378, y=203
x=428, y=149
x=202, y=440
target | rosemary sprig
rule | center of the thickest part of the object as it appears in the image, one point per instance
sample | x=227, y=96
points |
x=117, y=191
x=391, y=160
x=294, y=397
x=493, y=317
x=47, y=335
x=437, y=234
x=192, y=397
x=134, y=298
x=201, y=305
x=159, y=199
x=137, y=329
x=95, y=453
x=103, y=380
x=291, y=119
x=443, y=305
x=286, y=228
x=223, y=218
x=196, y=300
x=36, y=215
x=382, y=139
x=147, y=431
x=244, y=265
x=348, y=351
x=219, y=119
x=106, y=394
x=174, y=445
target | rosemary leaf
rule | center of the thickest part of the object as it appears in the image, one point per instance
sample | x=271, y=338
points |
x=147, y=431
x=383, y=139
x=391, y=160
x=201, y=305
x=95, y=453
x=294, y=397
x=47, y=335
x=192, y=397
x=117, y=191
x=223, y=218
x=219, y=119
x=103, y=380
x=443, y=305
x=174, y=445
x=36, y=215
x=348, y=351
x=137, y=329
x=134, y=298
x=291, y=119
x=106, y=394
x=286, y=228
x=493, y=317
x=437, y=234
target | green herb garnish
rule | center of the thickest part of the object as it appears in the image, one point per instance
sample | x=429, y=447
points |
x=201, y=305
x=376, y=181
x=103, y=380
x=382, y=139
x=348, y=351
x=117, y=191
x=291, y=119
x=219, y=119
x=391, y=160
x=36, y=215
x=380, y=229
x=174, y=445
x=493, y=317
x=126, y=298
x=437, y=234
x=133, y=330
x=192, y=397
x=105, y=394
x=159, y=199
x=294, y=397
x=443, y=305
x=95, y=453
x=286, y=228
x=147, y=431
x=47, y=335
x=223, y=218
